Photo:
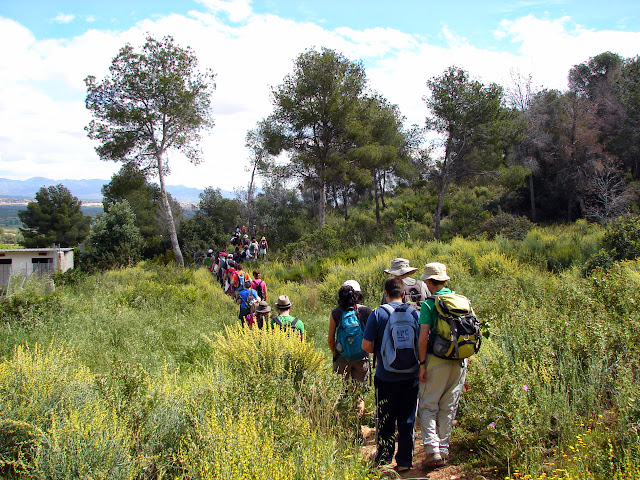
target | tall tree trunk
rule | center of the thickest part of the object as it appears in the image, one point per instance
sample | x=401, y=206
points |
x=382, y=185
x=173, y=236
x=345, y=200
x=250, y=195
x=532, y=198
x=375, y=194
x=322, y=203
x=441, y=194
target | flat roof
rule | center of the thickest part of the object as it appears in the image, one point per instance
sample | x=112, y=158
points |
x=9, y=250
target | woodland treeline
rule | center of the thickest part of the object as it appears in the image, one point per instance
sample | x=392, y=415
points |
x=335, y=164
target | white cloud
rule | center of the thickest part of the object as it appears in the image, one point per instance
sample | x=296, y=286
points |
x=63, y=18
x=42, y=114
x=237, y=10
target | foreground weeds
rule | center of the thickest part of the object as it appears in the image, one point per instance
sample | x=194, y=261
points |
x=145, y=373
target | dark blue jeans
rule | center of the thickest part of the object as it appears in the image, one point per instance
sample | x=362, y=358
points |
x=395, y=405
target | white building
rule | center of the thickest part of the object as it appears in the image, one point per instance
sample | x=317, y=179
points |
x=26, y=261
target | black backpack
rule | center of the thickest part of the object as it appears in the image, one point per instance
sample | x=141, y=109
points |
x=289, y=326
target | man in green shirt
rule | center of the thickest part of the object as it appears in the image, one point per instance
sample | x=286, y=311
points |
x=441, y=380
x=284, y=320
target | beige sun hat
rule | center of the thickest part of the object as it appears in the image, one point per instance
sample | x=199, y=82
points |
x=435, y=271
x=400, y=266
x=283, y=302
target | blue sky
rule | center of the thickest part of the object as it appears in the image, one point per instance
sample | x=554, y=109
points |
x=251, y=46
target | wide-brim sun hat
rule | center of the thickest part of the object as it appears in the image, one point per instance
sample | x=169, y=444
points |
x=435, y=271
x=283, y=302
x=400, y=266
x=353, y=284
x=263, y=307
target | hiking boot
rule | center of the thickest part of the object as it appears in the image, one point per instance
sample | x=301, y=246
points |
x=433, y=460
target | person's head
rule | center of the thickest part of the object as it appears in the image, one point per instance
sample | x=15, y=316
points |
x=394, y=289
x=283, y=304
x=238, y=266
x=347, y=297
x=263, y=308
x=256, y=274
x=247, y=285
x=435, y=275
x=400, y=268
x=356, y=287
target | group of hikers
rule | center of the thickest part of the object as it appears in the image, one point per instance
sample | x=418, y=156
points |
x=420, y=338
x=250, y=294
x=249, y=248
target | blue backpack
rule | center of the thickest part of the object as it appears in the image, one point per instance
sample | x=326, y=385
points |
x=399, y=348
x=349, y=336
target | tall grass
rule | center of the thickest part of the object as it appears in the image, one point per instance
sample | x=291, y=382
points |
x=145, y=373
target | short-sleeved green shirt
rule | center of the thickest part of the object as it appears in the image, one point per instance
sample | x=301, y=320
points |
x=428, y=313
x=287, y=319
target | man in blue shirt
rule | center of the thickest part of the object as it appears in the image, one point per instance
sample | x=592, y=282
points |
x=246, y=297
x=396, y=393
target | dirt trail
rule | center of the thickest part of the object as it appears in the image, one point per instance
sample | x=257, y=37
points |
x=448, y=472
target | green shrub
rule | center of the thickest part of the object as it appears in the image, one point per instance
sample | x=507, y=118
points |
x=622, y=238
x=506, y=225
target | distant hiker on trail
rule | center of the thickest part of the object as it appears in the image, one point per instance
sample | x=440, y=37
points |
x=247, y=299
x=392, y=334
x=222, y=266
x=258, y=285
x=245, y=254
x=441, y=379
x=239, y=278
x=284, y=319
x=208, y=260
x=228, y=286
x=416, y=291
x=263, y=248
x=253, y=248
x=261, y=314
x=245, y=240
x=346, y=328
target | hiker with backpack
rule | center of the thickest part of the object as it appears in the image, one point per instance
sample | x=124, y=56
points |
x=392, y=335
x=263, y=247
x=284, y=319
x=449, y=333
x=258, y=285
x=247, y=299
x=261, y=315
x=346, y=329
x=416, y=291
x=239, y=277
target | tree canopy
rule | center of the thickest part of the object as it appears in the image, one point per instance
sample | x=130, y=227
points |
x=476, y=125
x=55, y=218
x=151, y=102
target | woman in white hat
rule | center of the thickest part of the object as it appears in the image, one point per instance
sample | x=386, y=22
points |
x=349, y=297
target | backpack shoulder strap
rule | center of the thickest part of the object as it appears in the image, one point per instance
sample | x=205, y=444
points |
x=294, y=321
x=276, y=320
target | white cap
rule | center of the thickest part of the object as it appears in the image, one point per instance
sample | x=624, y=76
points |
x=353, y=284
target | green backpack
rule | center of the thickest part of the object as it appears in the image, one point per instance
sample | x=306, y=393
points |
x=457, y=332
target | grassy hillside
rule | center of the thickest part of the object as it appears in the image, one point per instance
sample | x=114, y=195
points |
x=144, y=373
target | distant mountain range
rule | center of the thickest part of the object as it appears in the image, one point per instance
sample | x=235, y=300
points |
x=85, y=190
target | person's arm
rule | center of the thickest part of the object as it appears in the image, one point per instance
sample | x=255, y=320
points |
x=423, y=341
x=331, y=339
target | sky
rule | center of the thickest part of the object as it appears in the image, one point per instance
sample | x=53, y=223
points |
x=50, y=46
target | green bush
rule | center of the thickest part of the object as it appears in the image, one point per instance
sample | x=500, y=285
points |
x=506, y=225
x=622, y=238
